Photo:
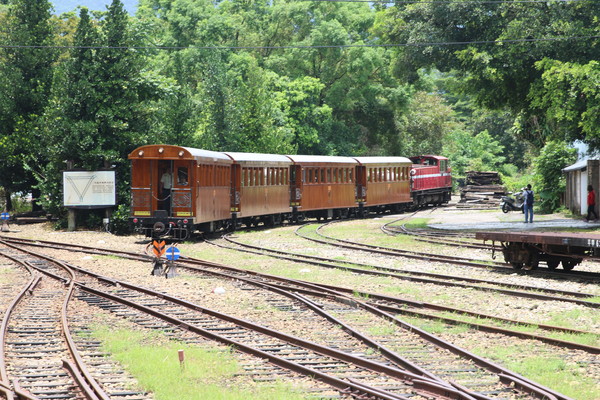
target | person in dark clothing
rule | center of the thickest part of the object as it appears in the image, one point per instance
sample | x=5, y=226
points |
x=528, y=203
x=591, y=203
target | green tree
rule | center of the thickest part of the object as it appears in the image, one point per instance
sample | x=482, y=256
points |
x=569, y=95
x=102, y=104
x=26, y=80
x=424, y=127
x=469, y=152
x=499, y=74
x=549, y=178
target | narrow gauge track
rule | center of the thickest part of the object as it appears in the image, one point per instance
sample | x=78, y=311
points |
x=33, y=349
x=413, y=308
x=464, y=240
x=353, y=375
x=501, y=376
x=430, y=236
x=388, y=251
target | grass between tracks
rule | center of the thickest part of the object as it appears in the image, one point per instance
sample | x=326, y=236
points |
x=557, y=373
x=564, y=376
x=153, y=359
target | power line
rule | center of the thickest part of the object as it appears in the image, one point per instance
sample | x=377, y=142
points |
x=422, y=44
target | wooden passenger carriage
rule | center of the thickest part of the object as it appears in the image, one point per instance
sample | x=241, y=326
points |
x=260, y=188
x=323, y=186
x=200, y=192
x=210, y=190
x=383, y=183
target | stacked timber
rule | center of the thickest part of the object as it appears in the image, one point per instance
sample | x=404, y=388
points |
x=482, y=189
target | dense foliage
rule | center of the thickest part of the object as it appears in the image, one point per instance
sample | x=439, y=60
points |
x=288, y=76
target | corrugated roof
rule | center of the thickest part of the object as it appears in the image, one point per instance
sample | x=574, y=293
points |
x=577, y=166
x=258, y=158
x=206, y=153
x=383, y=160
x=300, y=159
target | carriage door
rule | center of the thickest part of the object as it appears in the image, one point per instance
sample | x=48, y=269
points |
x=142, y=200
x=361, y=184
x=181, y=193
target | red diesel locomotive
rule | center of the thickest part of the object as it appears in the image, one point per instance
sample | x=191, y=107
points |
x=177, y=190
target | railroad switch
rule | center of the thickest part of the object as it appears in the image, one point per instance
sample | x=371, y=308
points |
x=162, y=267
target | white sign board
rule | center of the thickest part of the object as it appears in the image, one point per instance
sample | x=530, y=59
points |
x=93, y=189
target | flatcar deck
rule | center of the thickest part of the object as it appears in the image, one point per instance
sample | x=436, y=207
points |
x=527, y=249
x=583, y=239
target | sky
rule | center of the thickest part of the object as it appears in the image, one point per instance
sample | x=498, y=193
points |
x=61, y=6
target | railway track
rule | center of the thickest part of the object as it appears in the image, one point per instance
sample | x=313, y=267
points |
x=37, y=345
x=349, y=308
x=431, y=257
x=465, y=240
x=346, y=372
x=406, y=307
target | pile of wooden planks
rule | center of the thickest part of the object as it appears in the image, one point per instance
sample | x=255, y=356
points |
x=483, y=189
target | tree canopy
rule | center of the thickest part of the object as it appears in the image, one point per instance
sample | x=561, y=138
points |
x=486, y=83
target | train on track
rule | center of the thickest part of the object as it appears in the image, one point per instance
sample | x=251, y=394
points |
x=177, y=190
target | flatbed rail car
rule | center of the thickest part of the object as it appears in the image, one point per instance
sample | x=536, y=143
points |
x=527, y=249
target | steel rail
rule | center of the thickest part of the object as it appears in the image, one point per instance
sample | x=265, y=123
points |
x=398, y=252
x=425, y=238
x=319, y=291
x=29, y=286
x=510, y=292
x=272, y=277
x=93, y=250
x=540, y=390
x=331, y=380
x=408, y=302
x=82, y=376
x=423, y=382
x=394, y=272
x=402, y=301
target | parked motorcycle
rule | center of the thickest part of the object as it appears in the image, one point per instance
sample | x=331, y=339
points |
x=508, y=203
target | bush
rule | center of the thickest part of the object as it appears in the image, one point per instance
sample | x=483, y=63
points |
x=119, y=224
x=549, y=176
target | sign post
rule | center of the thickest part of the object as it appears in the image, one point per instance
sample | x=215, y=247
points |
x=172, y=255
x=88, y=190
x=5, y=217
x=158, y=248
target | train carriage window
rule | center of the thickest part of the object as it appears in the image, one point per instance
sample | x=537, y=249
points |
x=335, y=175
x=311, y=175
x=328, y=175
x=344, y=175
x=182, y=176
x=285, y=176
x=322, y=180
x=350, y=175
